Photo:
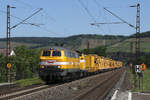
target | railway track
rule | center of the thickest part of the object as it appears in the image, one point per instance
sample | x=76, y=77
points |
x=101, y=89
x=97, y=92
x=13, y=88
x=20, y=92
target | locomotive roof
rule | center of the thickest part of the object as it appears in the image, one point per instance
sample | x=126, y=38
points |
x=59, y=48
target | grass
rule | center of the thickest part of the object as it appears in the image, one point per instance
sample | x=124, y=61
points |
x=146, y=88
x=28, y=82
x=125, y=45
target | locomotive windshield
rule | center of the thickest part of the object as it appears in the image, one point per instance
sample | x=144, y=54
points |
x=51, y=53
x=56, y=53
x=46, y=53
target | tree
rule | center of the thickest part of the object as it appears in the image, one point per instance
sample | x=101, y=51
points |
x=100, y=50
x=2, y=68
x=25, y=63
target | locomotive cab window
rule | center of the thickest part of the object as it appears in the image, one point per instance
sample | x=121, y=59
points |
x=56, y=53
x=71, y=54
x=46, y=53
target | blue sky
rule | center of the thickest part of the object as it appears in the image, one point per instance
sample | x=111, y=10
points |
x=61, y=18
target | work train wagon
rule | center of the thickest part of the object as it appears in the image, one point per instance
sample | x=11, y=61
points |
x=60, y=64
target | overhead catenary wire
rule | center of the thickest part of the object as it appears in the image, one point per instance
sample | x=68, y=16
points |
x=48, y=16
x=34, y=7
x=26, y=18
x=11, y=15
x=26, y=4
x=115, y=16
x=89, y=14
x=29, y=23
x=98, y=5
x=108, y=23
x=120, y=18
x=15, y=17
x=86, y=9
x=33, y=24
x=104, y=17
x=46, y=30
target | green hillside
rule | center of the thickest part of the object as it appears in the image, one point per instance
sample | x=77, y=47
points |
x=79, y=42
x=76, y=42
x=125, y=46
x=14, y=44
x=142, y=35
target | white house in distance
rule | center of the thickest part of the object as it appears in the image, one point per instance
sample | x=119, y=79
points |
x=3, y=51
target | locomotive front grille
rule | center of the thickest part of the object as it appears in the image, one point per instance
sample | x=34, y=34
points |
x=51, y=69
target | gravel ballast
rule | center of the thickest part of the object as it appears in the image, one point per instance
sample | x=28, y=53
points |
x=66, y=91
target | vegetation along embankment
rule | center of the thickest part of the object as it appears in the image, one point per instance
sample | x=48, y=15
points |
x=146, y=81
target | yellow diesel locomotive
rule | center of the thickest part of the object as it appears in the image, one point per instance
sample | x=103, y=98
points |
x=63, y=64
x=58, y=63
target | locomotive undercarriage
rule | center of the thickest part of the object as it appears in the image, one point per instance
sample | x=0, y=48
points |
x=53, y=73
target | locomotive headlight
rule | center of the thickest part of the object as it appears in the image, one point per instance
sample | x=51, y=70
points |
x=41, y=66
x=58, y=66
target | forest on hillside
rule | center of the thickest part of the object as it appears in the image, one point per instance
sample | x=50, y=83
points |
x=78, y=42
x=142, y=35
